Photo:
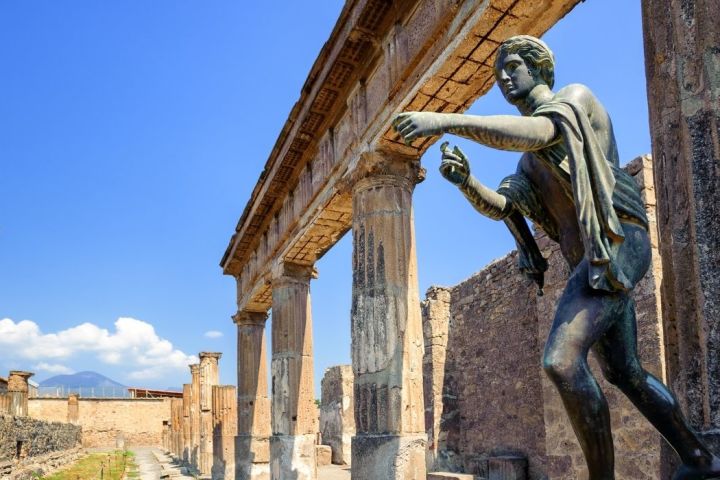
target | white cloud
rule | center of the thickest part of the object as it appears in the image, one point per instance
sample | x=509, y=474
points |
x=134, y=344
x=213, y=334
x=55, y=368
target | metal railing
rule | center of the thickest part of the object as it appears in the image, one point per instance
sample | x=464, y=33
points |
x=83, y=392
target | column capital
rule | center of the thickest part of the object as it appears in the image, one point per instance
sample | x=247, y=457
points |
x=294, y=272
x=385, y=166
x=245, y=317
x=210, y=356
x=194, y=368
x=18, y=380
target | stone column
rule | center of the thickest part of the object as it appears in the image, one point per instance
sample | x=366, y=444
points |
x=209, y=377
x=224, y=411
x=73, y=413
x=176, y=415
x=18, y=391
x=387, y=336
x=682, y=64
x=194, y=460
x=294, y=415
x=186, y=423
x=252, y=447
x=337, y=412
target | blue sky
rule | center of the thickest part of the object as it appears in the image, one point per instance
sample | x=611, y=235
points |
x=131, y=136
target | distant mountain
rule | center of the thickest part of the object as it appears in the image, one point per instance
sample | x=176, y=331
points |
x=80, y=380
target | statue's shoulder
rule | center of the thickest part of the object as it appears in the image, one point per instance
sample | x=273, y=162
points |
x=576, y=93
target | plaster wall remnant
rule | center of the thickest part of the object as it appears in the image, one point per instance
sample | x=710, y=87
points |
x=294, y=415
x=337, y=412
x=225, y=423
x=682, y=65
x=252, y=447
x=209, y=376
x=381, y=58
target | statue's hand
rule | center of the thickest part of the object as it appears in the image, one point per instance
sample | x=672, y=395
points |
x=455, y=166
x=411, y=125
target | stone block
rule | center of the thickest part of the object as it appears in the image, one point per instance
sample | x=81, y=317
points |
x=389, y=457
x=507, y=468
x=293, y=456
x=450, y=476
x=323, y=454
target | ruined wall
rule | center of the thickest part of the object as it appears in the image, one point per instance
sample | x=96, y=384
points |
x=493, y=394
x=29, y=445
x=139, y=421
x=337, y=412
x=496, y=399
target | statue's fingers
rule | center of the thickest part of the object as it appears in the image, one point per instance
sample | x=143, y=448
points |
x=404, y=124
x=450, y=156
x=400, y=117
x=449, y=165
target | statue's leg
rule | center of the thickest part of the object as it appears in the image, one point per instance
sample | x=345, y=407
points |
x=581, y=319
x=617, y=353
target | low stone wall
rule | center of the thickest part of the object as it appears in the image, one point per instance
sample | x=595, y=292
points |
x=138, y=421
x=29, y=445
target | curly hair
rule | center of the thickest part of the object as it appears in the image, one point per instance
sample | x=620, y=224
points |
x=534, y=51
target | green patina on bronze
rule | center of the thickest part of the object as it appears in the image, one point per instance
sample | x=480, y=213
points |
x=568, y=183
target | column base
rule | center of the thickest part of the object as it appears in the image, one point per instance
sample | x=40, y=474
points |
x=252, y=457
x=390, y=457
x=293, y=456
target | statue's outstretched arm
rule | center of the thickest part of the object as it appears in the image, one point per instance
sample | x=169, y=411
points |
x=456, y=169
x=504, y=132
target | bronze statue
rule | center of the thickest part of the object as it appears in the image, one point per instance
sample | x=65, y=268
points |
x=568, y=182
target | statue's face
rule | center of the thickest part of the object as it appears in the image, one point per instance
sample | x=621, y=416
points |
x=514, y=77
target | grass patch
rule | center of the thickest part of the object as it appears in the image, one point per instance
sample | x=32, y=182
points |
x=98, y=466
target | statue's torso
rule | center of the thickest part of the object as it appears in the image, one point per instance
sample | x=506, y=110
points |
x=544, y=170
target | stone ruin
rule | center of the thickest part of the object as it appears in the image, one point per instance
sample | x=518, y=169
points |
x=337, y=166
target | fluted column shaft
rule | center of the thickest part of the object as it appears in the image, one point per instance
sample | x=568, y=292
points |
x=224, y=413
x=209, y=377
x=294, y=415
x=194, y=454
x=186, y=423
x=18, y=392
x=252, y=445
x=387, y=341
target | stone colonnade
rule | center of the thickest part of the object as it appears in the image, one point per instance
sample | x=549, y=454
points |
x=203, y=423
x=387, y=346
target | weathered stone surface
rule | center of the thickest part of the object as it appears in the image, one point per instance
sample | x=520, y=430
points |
x=436, y=322
x=253, y=400
x=18, y=392
x=293, y=456
x=294, y=414
x=22, y=437
x=507, y=468
x=337, y=412
x=73, y=414
x=387, y=344
x=389, y=456
x=450, y=476
x=102, y=420
x=209, y=377
x=323, y=455
x=683, y=84
x=496, y=400
x=224, y=411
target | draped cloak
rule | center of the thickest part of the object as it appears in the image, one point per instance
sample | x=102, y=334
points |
x=601, y=192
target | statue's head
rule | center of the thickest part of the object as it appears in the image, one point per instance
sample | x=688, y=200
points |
x=523, y=62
